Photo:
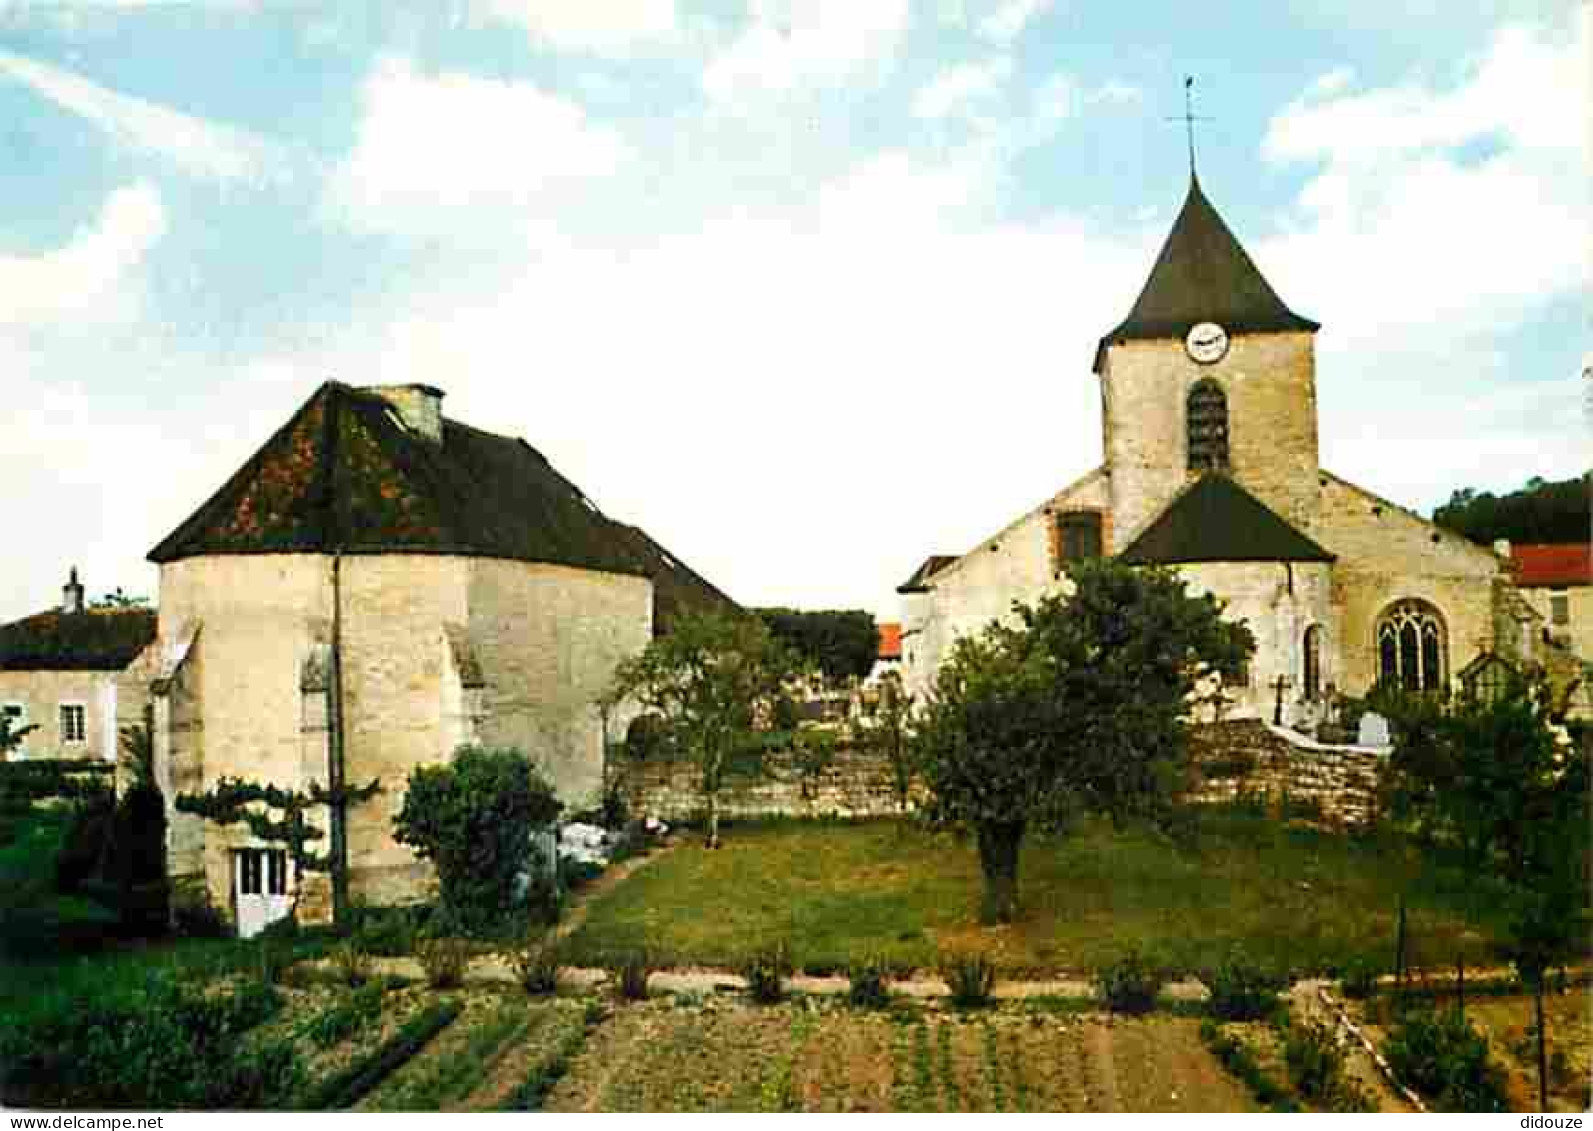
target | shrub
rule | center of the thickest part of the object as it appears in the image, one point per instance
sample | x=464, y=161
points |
x=1242, y=990
x=1316, y=1066
x=194, y=916
x=473, y=819
x=152, y=1044
x=866, y=987
x=347, y=1017
x=537, y=968
x=444, y=961
x=352, y=965
x=630, y=975
x=1232, y=1054
x=1129, y=984
x=1445, y=1059
x=766, y=972
x=387, y=931
x=970, y=975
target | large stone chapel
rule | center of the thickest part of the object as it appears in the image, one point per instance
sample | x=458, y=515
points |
x=1210, y=465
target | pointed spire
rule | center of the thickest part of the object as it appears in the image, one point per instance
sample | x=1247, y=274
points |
x=72, y=594
x=1203, y=274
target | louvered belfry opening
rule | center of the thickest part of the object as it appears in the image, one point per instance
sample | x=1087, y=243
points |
x=1208, y=427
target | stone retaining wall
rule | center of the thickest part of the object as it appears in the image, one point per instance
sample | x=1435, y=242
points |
x=1243, y=758
x=1248, y=758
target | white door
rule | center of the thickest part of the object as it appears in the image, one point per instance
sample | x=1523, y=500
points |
x=260, y=888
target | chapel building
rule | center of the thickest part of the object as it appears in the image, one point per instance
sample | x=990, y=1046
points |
x=1210, y=444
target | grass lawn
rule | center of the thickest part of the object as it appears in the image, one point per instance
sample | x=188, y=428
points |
x=1305, y=900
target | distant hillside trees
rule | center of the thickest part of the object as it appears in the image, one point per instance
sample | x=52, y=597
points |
x=843, y=643
x=1540, y=512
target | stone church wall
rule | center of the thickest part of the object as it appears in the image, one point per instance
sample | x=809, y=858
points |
x=1269, y=383
x=1018, y=564
x=1387, y=554
x=1278, y=601
x=549, y=638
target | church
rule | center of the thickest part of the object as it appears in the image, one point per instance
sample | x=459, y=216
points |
x=1210, y=466
x=376, y=586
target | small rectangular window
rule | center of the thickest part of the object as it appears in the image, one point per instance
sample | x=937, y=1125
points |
x=1559, y=608
x=1080, y=535
x=276, y=872
x=74, y=722
x=249, y=878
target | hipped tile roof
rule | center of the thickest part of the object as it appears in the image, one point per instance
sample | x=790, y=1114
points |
x=344, y=475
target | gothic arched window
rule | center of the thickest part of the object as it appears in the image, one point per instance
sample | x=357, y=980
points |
x=1206, y=420
x=1411, y=647
x=1313, y=662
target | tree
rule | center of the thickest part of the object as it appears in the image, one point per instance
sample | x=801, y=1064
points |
x=888, y=734
x=473, y=819
x=1542, y=511
x=842, y=643
x=1488, y=776
x=12, y=739
x=1076, y=705
x=236, y=801
x=710, y=683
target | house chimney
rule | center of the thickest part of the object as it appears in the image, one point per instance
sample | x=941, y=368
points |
x=72, y=594
x=419, y=407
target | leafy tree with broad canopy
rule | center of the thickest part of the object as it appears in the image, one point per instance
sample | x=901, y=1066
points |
x=841, y=643
x=1074, y=705
x=710, y=682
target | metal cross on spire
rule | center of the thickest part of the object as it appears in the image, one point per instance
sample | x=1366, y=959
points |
x=1189, y=118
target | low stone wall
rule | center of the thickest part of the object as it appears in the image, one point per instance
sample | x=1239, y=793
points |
x=1247, y=758
x=854, y=784
x=1241, y=758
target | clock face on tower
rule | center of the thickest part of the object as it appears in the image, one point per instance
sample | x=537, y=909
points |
x=1206, y=342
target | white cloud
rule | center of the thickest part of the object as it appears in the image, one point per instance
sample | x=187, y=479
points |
x=1009, y=20
x=962, y=87
x=86, y=278
x=198, y=147
x=437, y=154
x=599, y=27
x=1440, y=220
x=788, y=45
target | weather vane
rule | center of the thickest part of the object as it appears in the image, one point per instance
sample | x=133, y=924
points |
x=1189, y=118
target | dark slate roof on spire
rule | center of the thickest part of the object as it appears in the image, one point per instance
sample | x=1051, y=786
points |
x=1203, y=274
x=344, y=474
x=1216, y=520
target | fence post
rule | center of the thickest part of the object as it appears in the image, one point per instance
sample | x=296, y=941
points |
x=1399, y=950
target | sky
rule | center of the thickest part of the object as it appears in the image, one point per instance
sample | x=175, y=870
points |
x=809, y=289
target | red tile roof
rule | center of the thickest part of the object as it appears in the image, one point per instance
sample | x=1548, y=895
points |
x=890, y=641
x=1538, y=566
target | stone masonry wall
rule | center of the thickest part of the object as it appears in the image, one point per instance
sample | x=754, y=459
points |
x=1238, y=758
x=1269, y=381
x=1245, y=758
x=855, y=784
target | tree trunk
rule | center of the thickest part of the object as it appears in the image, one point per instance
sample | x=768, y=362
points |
x=713, y=820
x=1543, y=1045
x=998, y=859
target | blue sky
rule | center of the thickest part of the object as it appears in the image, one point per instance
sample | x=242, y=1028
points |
x=807, y=289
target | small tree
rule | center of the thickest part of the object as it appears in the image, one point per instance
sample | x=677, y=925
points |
x=887, y=734
x=236, y=801
x=710, y=682
x=1078, y=706
x=473, y=819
